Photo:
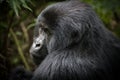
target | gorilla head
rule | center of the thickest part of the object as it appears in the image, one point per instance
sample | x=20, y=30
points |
x=74, y=44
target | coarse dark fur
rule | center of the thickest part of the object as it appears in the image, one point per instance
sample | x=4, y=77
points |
x=79, y=47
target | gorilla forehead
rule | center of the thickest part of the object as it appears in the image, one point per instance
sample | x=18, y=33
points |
x=63, y=9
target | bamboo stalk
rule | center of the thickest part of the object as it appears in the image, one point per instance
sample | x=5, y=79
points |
x=19, y=50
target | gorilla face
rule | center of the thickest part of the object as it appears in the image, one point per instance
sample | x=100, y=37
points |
x=38, y=42
x=38, y=49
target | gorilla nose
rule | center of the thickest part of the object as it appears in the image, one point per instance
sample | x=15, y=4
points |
x=34, y=48
x=37, y=45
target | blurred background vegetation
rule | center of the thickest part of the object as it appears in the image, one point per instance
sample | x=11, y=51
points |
x=17, y=20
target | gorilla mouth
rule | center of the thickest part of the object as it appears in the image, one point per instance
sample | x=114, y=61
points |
x=38, y=58
x=35, y=55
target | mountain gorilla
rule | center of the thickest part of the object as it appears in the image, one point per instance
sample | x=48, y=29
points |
x=75, y=45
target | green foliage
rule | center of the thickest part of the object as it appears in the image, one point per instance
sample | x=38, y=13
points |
x=17, y=5
x=105, y=8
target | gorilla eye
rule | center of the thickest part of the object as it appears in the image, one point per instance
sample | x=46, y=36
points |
x=41, y=25
x=45, y=29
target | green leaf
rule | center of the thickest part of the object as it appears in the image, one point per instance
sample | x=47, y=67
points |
x=24, y=4
x=15, y=6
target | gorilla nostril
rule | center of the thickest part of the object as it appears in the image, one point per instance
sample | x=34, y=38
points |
x=37, y=45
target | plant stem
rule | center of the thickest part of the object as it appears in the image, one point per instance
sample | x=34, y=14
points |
x=19, y=50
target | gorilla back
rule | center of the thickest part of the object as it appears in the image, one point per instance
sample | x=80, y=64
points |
x=78, y=45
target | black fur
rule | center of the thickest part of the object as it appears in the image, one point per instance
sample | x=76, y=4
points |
x=78, y=47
